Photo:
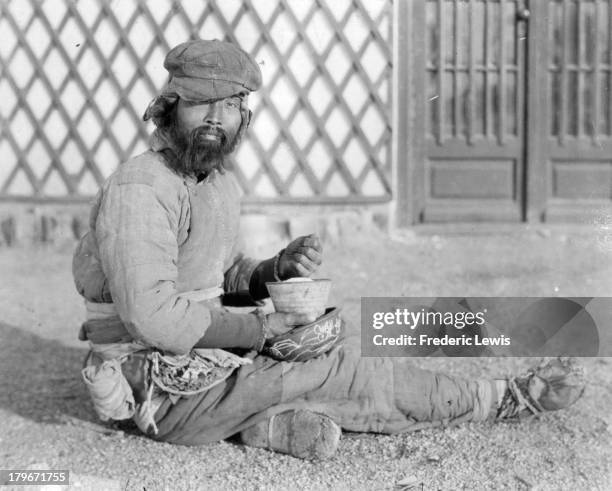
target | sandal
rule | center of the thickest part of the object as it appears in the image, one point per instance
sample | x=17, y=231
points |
x=550, y=386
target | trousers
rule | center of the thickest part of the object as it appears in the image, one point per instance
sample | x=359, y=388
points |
x=382, y=395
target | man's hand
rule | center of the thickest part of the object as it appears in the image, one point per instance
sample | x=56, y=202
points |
x=281, y=323
x=302, y=257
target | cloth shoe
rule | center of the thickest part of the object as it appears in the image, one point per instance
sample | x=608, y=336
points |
x=550, y=386
x=303, y=434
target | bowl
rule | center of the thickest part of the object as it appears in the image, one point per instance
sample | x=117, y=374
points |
x=300, y=296
x=307, y=341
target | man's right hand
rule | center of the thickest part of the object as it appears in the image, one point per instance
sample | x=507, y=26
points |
x=281, y=323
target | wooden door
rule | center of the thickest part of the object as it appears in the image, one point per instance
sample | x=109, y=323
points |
x=471, y=96
x=570, y=147
x=506, y=105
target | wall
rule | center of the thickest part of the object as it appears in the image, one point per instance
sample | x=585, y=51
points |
x=77, y=76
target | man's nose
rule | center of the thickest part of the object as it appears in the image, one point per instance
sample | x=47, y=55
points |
x=213, y=116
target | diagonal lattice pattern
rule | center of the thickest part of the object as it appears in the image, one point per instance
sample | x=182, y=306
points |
x=76, y=77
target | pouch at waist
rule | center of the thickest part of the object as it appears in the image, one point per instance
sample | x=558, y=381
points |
x=110, y=392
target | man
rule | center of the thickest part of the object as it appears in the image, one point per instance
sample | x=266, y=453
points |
x=160, y=259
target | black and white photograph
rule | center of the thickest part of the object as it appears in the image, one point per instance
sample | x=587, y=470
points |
x=306, y=245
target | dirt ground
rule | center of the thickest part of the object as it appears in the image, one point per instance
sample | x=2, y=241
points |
x=48, y=422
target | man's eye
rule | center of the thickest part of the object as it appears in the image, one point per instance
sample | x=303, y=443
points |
x=232, y=103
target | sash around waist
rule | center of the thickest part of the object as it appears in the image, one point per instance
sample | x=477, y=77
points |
x=105, y=331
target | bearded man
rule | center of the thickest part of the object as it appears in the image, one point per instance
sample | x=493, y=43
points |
x=158, y=262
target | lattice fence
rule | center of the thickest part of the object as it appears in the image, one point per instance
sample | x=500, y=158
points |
x=76, y=76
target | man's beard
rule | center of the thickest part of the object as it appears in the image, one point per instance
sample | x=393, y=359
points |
x=196, y=154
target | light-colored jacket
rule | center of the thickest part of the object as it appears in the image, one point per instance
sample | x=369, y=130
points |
x=155, y=238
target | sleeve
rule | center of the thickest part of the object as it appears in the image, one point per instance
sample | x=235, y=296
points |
x=230, y=330
x=87, y=272
x=238, y=274
x=136, y=231
x=247, y=277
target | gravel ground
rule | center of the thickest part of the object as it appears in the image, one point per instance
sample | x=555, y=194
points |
x=48, y=421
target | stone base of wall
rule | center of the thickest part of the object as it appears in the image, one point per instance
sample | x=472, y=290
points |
x=264, y=230
x=23, y=224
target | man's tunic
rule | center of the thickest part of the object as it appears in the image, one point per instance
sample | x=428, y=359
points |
x=157, y=239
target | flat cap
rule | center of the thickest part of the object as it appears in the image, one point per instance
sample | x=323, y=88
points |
x=205, y=70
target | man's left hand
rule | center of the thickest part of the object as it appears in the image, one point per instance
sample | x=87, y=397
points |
x=302, y=257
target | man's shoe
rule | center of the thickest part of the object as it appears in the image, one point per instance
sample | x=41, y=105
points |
x=302, y=434
x=554, y=385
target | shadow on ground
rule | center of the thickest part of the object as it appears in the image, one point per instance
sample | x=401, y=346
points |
x=41, y=378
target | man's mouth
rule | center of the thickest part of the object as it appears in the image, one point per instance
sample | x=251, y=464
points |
x=209, y=134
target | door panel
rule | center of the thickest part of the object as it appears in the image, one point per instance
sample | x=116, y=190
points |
x=578, y=153
x=475, y=111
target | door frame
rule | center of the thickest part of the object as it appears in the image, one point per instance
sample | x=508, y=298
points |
x=537, y=112
x=409, y=140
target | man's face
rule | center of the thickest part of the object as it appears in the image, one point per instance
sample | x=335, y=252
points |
x=217, y=123
x=204, y=132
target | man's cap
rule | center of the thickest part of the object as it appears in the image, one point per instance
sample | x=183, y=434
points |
x=204, y=70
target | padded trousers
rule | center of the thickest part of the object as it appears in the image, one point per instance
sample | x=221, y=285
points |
x=382, y=395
